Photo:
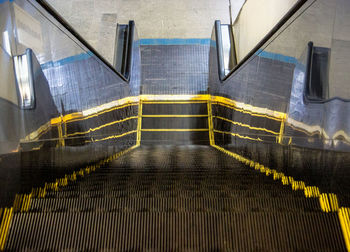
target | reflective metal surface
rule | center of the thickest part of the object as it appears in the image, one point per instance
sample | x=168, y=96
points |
x=275, y=78
x=25, y=80
x=226, y=48
x=65, y=78
x=73, y=112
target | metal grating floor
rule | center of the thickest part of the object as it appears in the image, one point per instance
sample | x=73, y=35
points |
x=175, y=198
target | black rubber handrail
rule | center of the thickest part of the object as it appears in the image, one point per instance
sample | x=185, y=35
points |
x=219, y=50
x=307, y=98
x=130, y=49
x=308, y=72
x=47, y=7
x=335, y=98
x=274, y=30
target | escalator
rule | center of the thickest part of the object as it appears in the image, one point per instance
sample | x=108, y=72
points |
x=172, y=147
x=167, y=198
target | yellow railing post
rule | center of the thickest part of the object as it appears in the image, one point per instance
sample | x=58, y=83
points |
x=139, y=123
x=210, y=122
x=280, y=135
x=60, y=133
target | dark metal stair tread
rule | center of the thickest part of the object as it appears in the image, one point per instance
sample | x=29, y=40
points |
x=182, y=204
x=176, y=231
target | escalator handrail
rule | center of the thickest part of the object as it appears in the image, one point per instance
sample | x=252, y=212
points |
x=130, y=49
x=307, y=98
x=48, y=8
x=274, y=30
x=219, y=49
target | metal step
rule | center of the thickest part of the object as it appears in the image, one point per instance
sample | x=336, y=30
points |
x=174, y=231
x=175, y=198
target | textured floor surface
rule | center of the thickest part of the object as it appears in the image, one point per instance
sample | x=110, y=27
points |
x=174, y=69
x=175, y=198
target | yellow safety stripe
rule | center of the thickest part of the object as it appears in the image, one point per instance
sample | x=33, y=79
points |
x=244, y=111
x=183, y=98
x=105, y=111
x=102, y=126
x=80, y=116
x=246, y=125
x=253, y=110
x=344, y=218
x=110, y=106
x=156, y=99
x=328, y=201
x=22, y=202
x=39, y=132
x=175, y=130
x=237, y=135
x=173, y=116
x=174, y=102
x=111, y=137
x=4, y=228
x=70, y=118
x=65, y=118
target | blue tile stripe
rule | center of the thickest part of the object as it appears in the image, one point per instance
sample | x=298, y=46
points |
x=83, y=56
x=64, y=61
x=142, y=41
x=261, y=53
x=175, y=41
x=276, y=56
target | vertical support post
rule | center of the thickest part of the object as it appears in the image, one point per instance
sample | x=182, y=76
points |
x=280, y=135
x=64, y=132
x=139, y=123
x=210, y=122
x=60, y=134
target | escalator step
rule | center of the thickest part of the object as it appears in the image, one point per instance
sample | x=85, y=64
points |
x=164, y=231
x=160, y=198
x=175, y=204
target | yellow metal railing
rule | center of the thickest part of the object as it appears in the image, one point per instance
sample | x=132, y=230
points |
x=62, y=122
